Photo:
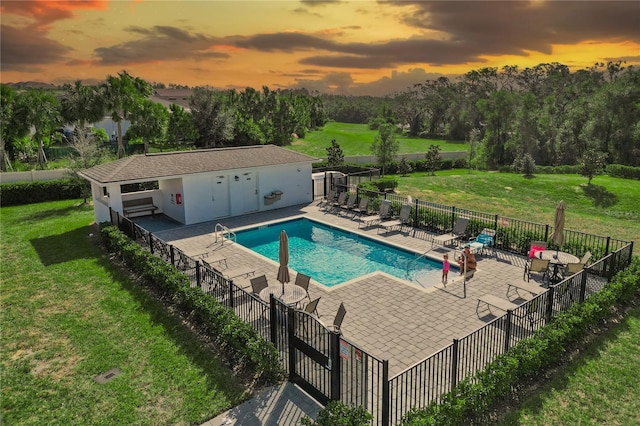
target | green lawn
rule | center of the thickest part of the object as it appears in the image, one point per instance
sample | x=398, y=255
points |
x=356, y=139
x=600, y=388
x=67, y=315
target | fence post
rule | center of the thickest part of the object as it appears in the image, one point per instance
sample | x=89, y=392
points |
x=336, y=386
x=386, y=402
x=507, y=330
x=549, y=310
x=546, y=232
x=583, y=285
x=495, y=224
x=606, y=250
x=230, y=294
x=290, y=334
x=453, y=216
x=630, y=255
x=172, y=255
x=198, y=275
x=273, y=330
x=454, y=364
x=150, y=243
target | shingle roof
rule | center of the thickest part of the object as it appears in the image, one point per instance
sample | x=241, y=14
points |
x=154, y=166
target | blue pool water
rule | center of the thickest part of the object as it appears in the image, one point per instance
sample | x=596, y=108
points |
x=331, y=256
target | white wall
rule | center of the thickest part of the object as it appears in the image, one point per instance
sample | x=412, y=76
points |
x=169, y=188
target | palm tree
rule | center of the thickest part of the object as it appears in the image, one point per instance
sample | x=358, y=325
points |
x=120, y=95
x=81, y=104
x=42, y=113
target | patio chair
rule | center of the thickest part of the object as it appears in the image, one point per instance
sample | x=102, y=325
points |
x=337, y=321
x=535, y=247
x=403, y=219
x=350, y=204
x=385, y=211
x=459, y=228
x=258, y=284
x=302, y=281
x=539, y=266
x=572, y=269
x=586, y=258
x=361, y=209
x=312, y=307
x=484, y=239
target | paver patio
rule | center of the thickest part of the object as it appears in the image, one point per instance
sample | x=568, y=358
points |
x=388, y=317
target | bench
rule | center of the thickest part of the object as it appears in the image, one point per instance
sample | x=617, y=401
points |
x=138, y=205
x=492, y=301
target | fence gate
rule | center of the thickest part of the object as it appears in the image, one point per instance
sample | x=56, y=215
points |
x=314, y=361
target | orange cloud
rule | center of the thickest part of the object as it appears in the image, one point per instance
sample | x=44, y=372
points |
x=45, y=12
x=225, y=47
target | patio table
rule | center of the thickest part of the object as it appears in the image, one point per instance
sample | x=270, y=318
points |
x=292, y=293
x=557, y=259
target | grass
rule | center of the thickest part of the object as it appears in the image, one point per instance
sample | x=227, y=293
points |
x=356, y=139
x=599, y=388
x=609, y=206
x=68, y=314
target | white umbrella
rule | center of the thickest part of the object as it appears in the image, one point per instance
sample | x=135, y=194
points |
x=283, y=256
x=558, y=231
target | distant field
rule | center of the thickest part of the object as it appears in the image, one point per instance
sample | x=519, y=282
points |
x=607, y=207
x=356, y=139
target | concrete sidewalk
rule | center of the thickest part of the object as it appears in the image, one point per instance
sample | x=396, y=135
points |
x=281, y=405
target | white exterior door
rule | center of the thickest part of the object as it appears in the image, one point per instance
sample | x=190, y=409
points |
x=250, y=192
x=220, y=197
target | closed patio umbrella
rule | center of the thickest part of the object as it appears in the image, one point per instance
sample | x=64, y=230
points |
x=283, y=256
x=558, y=226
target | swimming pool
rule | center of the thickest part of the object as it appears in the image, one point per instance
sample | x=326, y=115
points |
x=332, y=256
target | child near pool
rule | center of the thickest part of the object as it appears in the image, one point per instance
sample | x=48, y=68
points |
x=445, y=267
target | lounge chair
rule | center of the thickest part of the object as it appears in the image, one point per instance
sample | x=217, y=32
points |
x=484, y=239
x=327, y=200
x=361, y=209
x=459, y=228
x=384, y=213
x=350, y=204
x=539, y=266
x=403, y=219
x=337, y=203
x=586, y=258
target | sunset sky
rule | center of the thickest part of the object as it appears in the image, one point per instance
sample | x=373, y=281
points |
x=348, y=47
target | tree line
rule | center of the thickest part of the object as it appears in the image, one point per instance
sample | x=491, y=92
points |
x=546, y=112
x=214, y=119
x=545, y=115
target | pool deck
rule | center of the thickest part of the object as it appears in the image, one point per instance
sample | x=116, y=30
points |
x=389, y=318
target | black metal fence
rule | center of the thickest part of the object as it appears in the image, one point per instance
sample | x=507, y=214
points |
x=331, y=367
x=512, y=235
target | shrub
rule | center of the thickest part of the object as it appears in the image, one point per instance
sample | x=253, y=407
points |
x=337, y=413
x=245, y=346
x=20, y=193
x=625, y=172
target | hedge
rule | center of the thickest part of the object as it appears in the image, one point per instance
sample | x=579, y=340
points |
x=242, y=342
x=469, y=402
x=19, y=193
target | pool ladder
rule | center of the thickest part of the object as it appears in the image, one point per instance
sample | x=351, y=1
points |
x=412, y=262
x=224, y=233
